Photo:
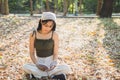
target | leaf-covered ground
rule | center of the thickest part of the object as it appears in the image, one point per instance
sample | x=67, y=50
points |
x=91, y=46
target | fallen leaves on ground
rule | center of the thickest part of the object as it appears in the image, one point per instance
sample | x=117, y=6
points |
x=85, y=44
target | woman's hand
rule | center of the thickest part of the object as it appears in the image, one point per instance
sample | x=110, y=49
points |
x=42, y=67
x=53, y=65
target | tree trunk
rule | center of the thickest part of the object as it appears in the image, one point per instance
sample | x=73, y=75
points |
x=47, y=5
x=99, y=6
x=31, y=7
x=80, y=9
x=65, y=8
x=0, y=5
x=76, y=7
x=6, y=7
x=107, y=8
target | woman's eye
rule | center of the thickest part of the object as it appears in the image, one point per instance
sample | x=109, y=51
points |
x=48, y=26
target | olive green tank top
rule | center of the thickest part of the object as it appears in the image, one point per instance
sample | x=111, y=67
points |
x=44, y=47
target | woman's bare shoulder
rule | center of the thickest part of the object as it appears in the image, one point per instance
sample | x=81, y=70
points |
x=55, y=34
x=32, y=34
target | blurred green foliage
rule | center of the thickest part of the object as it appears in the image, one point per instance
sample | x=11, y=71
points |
x=87, y=6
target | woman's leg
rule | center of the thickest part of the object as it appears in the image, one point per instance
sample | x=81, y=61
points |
x=60, y=69
x=32, y=69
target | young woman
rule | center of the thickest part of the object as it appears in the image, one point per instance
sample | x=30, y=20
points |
x=44, y=44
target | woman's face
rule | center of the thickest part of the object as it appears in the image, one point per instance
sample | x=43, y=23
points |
x=47, y=27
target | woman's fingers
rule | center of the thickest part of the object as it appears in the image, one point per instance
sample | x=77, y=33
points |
x=51, y=68
x=42, y=67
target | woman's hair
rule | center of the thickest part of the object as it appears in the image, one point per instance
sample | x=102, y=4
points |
x=45, y=21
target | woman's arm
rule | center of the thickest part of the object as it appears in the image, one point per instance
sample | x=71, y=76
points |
x=56, y=45
x=31, y=48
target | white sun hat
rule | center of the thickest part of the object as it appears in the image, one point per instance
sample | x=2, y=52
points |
x=48, y=16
